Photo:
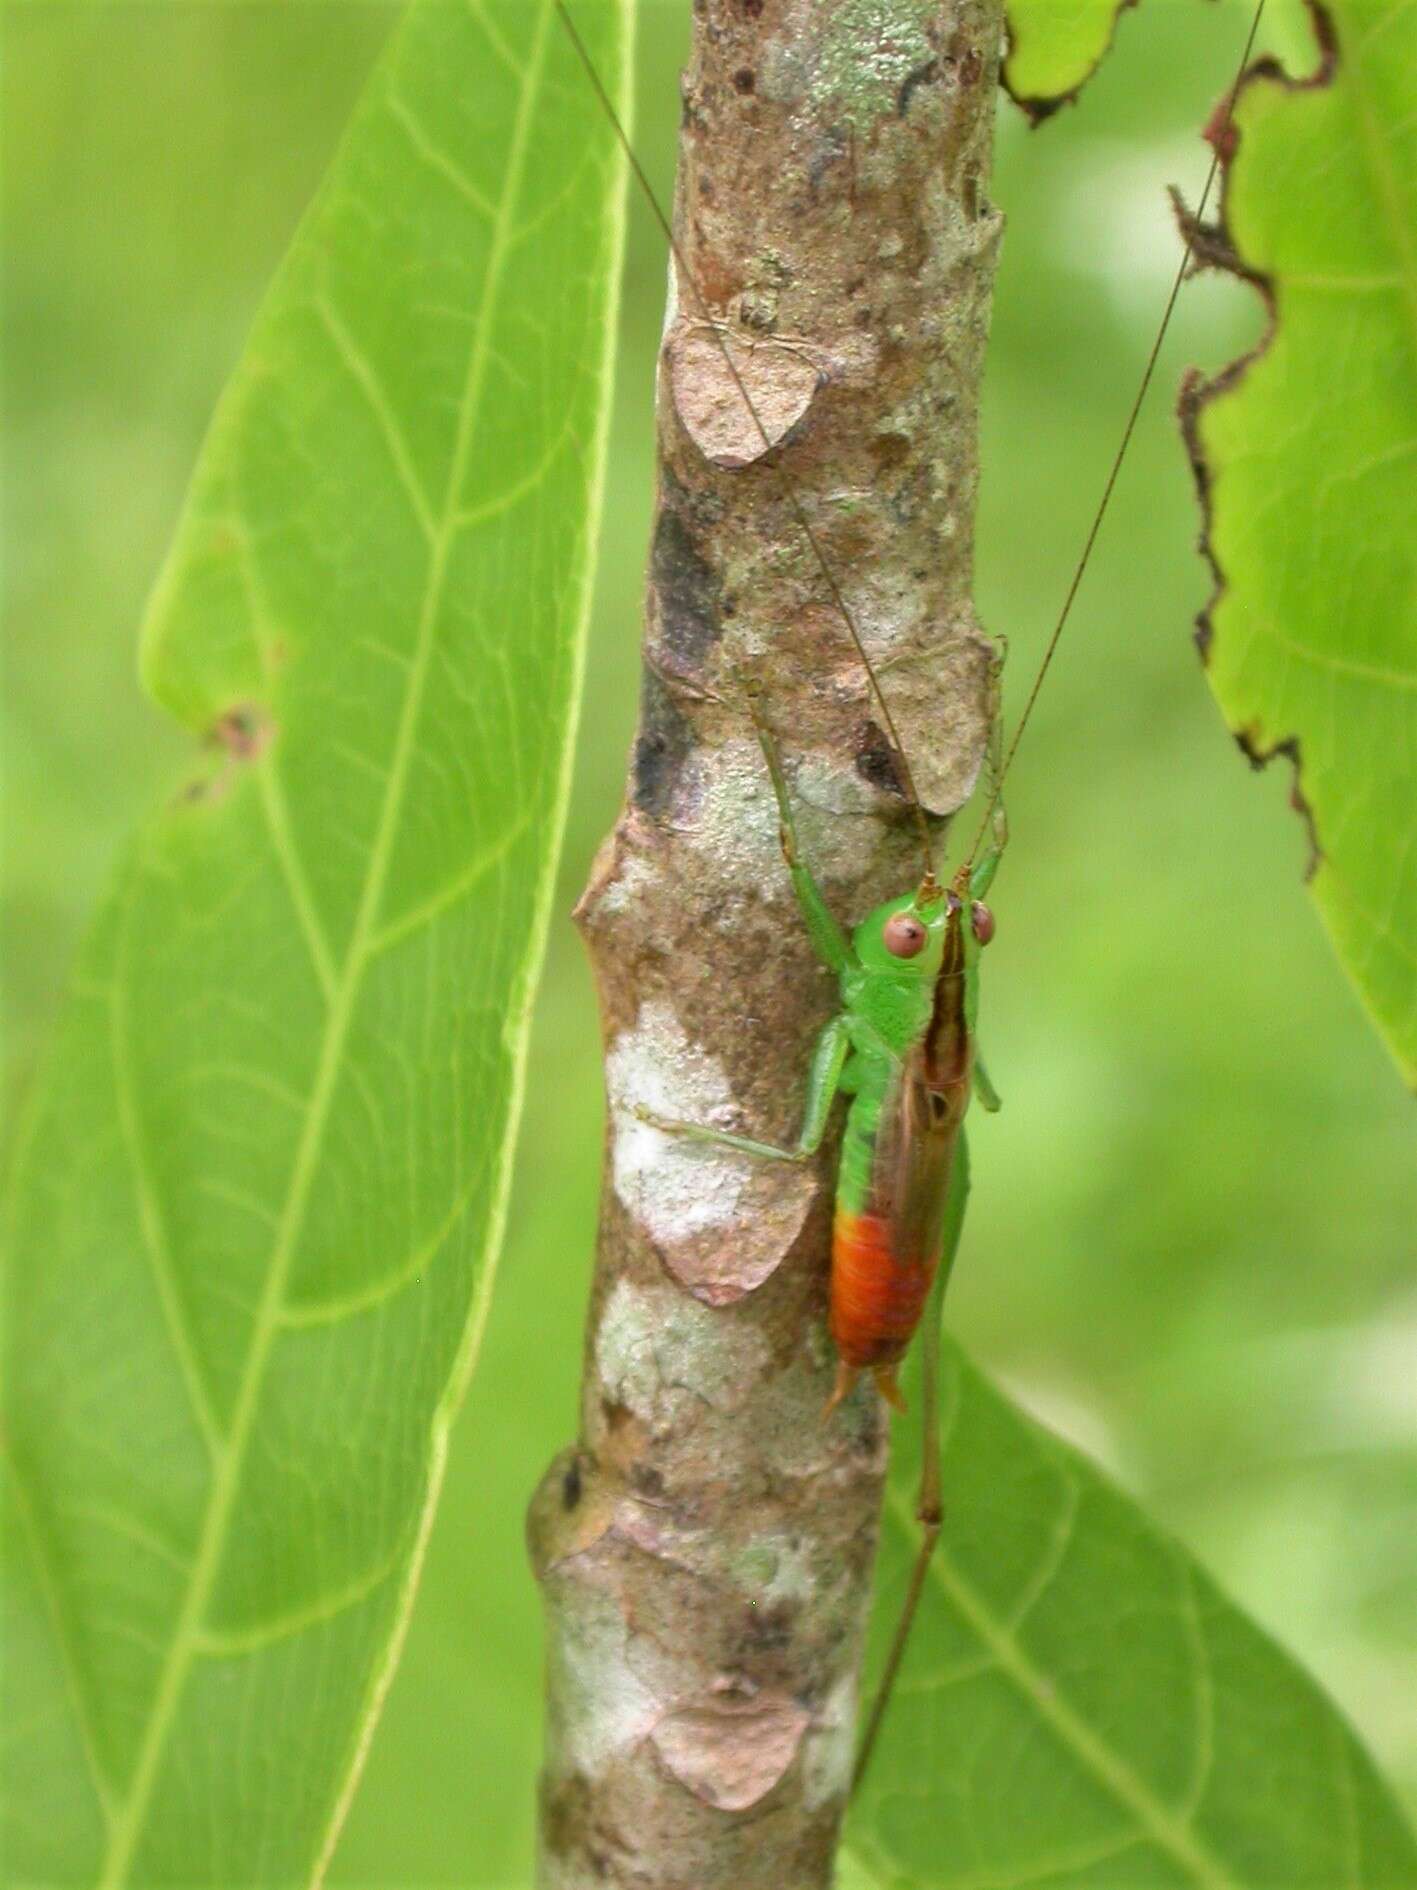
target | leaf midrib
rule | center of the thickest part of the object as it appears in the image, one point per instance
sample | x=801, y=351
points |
x=131, y=1813
x=1102, y=1760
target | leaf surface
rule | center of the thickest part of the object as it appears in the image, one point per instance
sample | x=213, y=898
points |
x=1306, y=454
x=253, y=1212
x=1054, y=48
x=1081, y=1707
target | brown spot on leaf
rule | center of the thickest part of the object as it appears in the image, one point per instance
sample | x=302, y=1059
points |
x=244, y=731
x=1208, y=245
x=1220, y=133
x=1250, y=741
x=241, y=734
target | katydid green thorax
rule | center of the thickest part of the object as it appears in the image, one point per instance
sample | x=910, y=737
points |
x=896, y=995
x=895, y=1004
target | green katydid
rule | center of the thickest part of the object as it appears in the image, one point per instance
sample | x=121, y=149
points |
x=902, y=1047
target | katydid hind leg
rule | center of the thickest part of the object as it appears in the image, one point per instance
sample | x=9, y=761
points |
x=929, y=1506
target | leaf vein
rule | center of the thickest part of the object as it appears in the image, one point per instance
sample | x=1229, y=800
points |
x=1106, y=1764
x=457, y=888
x=1060, y=1538
x=129, y=1822
x=297, y=884
x=361, y=372
x=436, y=160
x=63, y=1636
x=151, y=1225
x=1205, y=1694
x=299, y=1315
x=234, y=1643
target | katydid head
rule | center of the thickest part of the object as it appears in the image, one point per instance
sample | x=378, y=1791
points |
x=905, y=937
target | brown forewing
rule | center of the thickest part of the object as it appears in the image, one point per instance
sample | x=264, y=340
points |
x=915, y=1145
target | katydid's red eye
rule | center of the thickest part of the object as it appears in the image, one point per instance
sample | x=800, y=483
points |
x=982, y=919
x=904, y=936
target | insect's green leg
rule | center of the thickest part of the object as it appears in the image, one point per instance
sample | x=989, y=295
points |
x=982, y=874
x=984, y=1091
x=823, y=1081
x=830, y=943
x=988, y=862
x=929, y=1506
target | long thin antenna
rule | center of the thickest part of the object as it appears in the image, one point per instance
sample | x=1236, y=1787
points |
x=1217, y=141
x=785, y=483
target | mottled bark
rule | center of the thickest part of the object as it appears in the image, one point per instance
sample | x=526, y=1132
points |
x=706, y=1546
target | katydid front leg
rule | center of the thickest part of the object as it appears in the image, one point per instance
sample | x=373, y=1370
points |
x=982, y=873
x=823, y=1082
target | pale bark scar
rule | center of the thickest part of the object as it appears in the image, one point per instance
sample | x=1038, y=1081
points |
x=722, y=1223
x=781, y=380
x=729, y=1748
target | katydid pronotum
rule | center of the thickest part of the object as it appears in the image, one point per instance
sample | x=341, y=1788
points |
x=902, y=1047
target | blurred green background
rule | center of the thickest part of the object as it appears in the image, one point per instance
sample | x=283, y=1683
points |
x=1192, y=1231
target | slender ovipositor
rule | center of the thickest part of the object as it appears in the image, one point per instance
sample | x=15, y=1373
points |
x=911, y=998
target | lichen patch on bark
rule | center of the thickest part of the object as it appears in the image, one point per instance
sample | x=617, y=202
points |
x=829, y=1748
x=656, y=1345
x=604, y=1707
x=725, y=812
x=689, y=1195
x=675, y=1187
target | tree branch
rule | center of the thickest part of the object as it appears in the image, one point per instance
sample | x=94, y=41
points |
x=706, y=1548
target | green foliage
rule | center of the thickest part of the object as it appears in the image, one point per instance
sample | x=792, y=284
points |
x=1054, y=47
x=1308, y=454
x=1082, y=1706
x=256, y=1203
x=1161, y=1248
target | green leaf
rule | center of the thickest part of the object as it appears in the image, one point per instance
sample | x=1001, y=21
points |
x=254, y=1210
x=1307, y=455
x=1054, y=48
x=1081, y=1707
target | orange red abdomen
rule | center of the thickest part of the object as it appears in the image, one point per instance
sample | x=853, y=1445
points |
x=877, y=1297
